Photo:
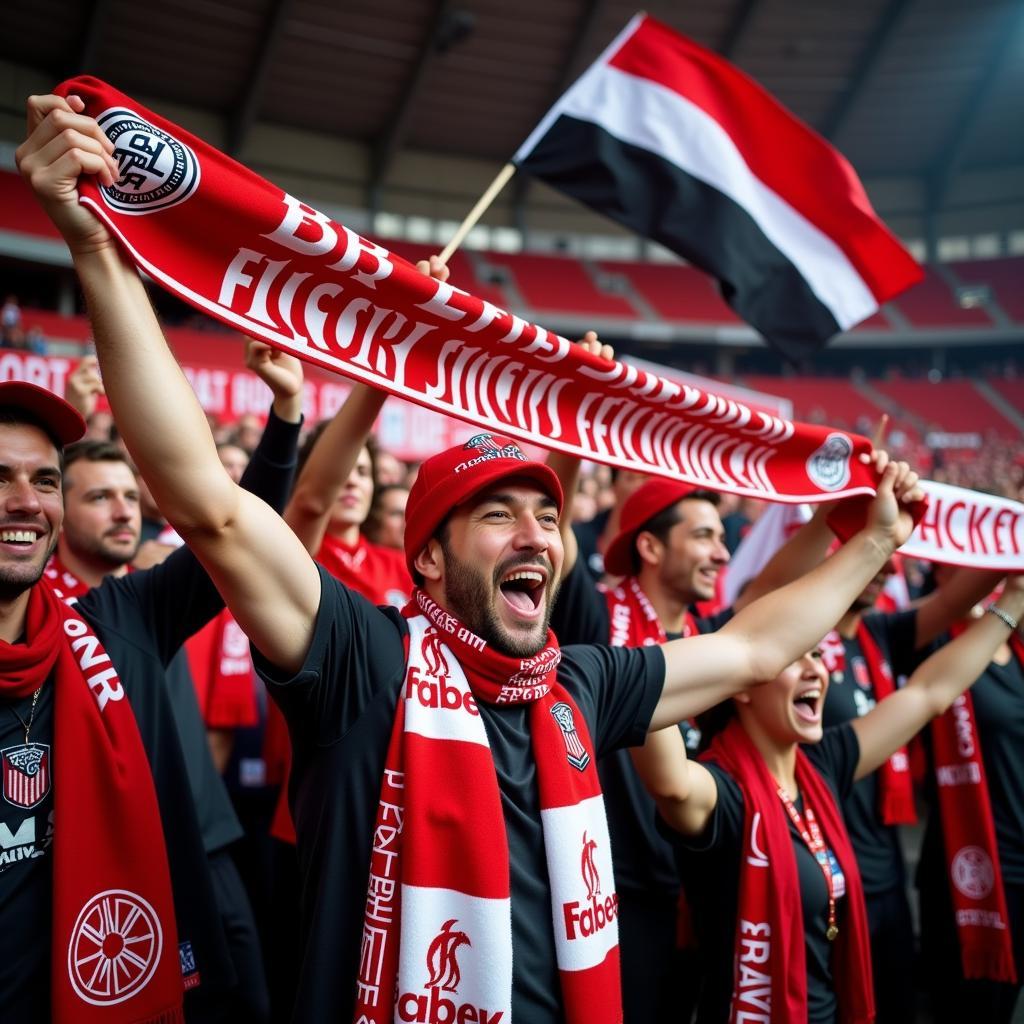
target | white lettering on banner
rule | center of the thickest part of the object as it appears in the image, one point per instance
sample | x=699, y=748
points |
x=50, y=372
x=753, y=999
x=104, y=684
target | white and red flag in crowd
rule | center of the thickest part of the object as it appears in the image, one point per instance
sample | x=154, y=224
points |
x=676, y=143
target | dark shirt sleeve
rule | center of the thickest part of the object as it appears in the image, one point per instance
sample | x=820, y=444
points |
x=713, y=623
x=620, y=687
x=357, y=652
x=836, y=757
x=177, y=597
x=896, y=634
x=580, y=615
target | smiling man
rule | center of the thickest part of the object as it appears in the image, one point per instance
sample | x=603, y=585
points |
x=444, y=783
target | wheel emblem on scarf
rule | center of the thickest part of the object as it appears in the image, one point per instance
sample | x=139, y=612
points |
x=115, y=947
x=972, y=872
x=157, y=171
x=441, y=962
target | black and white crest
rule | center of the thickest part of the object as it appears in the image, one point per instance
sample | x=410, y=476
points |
x=157, y=171
x=829, y=466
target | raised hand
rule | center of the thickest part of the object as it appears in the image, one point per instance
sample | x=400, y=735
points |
x=281, y=372
x=61, y=145
x=889, y=514
x=84, y=386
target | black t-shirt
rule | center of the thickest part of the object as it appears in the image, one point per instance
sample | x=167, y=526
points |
x=340, y=709
x=141, y=620
x=644, y=863
x=998, y=700
x=851, y=695
x=710, y=867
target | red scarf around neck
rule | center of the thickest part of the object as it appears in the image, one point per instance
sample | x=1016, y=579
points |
x=969, y=834
x=437, y=932
x=632, y=620
x=114, y=947
x=771, y=958
x=895, y=779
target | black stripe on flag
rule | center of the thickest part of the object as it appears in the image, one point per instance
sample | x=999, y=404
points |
x=659, y=200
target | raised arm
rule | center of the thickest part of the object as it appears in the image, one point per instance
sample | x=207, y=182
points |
x=772, y=632
x=951, y=603
x=257, y=563
x=936, y=683
x=685, y=791
x=335, y=454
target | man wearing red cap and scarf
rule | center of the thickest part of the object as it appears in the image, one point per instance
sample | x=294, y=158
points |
x=669, y=552
x=451, y=830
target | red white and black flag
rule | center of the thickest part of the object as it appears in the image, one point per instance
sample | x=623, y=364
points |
x=679, y=145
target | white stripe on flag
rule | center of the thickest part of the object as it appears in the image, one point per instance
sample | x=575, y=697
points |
x=642, y=113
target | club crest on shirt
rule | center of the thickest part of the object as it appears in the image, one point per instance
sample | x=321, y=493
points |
x=575, y=753
x=157, y=171
x=26, y=773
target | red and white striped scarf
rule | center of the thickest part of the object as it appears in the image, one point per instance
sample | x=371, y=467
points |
x=969, y=834
x=632, y=620
x=437, y=931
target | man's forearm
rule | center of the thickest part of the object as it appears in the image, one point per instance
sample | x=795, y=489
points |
x=156, y=410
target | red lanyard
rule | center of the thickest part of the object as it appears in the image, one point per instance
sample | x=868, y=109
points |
x=811, y=835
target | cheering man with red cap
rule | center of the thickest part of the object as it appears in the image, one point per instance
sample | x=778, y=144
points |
x=451, y=829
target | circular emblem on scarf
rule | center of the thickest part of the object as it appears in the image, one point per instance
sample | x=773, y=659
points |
x=829, y=466
x=157, y=171
x=972, y=872
x=115, y=947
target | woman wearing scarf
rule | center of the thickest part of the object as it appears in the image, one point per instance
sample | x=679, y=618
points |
x=971, y=872
x=789, y=942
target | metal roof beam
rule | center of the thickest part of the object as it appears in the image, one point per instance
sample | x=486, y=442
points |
x=240, y=124
x=442, y=25
x=88, y=52
x=954, y=149
x=867, y=62
x=734, y=34
x=589, y=17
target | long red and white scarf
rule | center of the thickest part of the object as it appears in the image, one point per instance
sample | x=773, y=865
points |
x=969, y=834
x=114, y=951
x=771, y=960
x=222, y=672
x=895, y=779
x=632, y=620
x=437, y=931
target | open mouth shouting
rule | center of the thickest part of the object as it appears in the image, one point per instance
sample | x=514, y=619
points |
x=523, y=589
x=807, y=704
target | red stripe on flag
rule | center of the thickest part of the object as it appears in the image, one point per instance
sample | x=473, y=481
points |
x=453, y=857
x=781, y=151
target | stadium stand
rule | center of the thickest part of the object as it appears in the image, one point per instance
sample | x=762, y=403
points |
x=1003, y=277
x=674, y=292
x=933, y=303
x=955, y=406
x=821, y=399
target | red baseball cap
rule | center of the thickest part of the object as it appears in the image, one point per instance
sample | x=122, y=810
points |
x=643, y=504
x=60, y=418
x=451, y=477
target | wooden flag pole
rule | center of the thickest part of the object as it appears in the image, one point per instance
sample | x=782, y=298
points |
x=478, y=211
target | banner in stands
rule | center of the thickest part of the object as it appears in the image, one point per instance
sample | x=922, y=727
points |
x=238, y=248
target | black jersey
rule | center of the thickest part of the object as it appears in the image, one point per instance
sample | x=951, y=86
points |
x=851, y=695
x=710, y=866
x=340, y=709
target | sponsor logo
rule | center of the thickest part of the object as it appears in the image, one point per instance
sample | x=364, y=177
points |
x=575, y=753
x=756, y=858
x=488, y=449
x=189, y=971
x=432, y=689
x=972, y=872
x=157, y=171
x=829, y=466
x=26, y=774
x=444, y=975
x=586, y=917
x=115, y=947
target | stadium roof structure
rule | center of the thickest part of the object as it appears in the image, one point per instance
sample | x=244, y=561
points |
x=925, y=89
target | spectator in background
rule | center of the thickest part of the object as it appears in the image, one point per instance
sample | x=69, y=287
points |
x=389, y=470
x=386, y=523
x=247, y=431
x=10, y=320
x=35, y=340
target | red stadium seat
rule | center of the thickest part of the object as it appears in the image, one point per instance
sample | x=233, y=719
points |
x=675, y=292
